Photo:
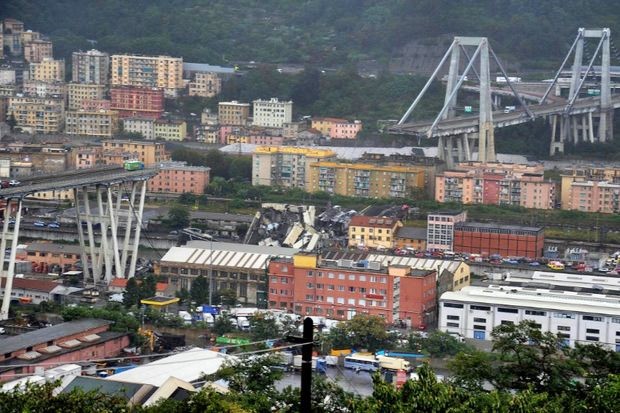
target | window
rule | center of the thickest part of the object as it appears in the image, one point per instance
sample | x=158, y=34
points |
x=593, y=331
x=309, y=297
x=309, y=285
x=534, y=312
x=331, y=275
x=480, y=320
x=563, y=328
x=479, y=327
x=341, y=276
x=507, y=310
x=362, y=278
x=340, y=300
x=453, y=317
x=480, y=307
x=319, y=286
x=341, y=288
x=507, y=322
x=330, y=300
x=591, y=338
x=564, y=315
x=452, y=305
x=274, y=279
x=310, y=274
x=361, y=302
x=351, y=289
x=330, y=286
x=592, y=318
x=453, y=325
x=351, y=301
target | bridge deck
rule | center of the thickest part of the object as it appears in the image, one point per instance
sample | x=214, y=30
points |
x=73, y=179
x=469, y=124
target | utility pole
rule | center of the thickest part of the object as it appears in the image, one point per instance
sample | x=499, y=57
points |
x=306, y=363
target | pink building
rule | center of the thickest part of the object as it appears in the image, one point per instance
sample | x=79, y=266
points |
x=496, y=184
x=86, y=339
x=177, y=178
x=95, y=104
x=88, y=157
x=346, y=130
x=592, y=189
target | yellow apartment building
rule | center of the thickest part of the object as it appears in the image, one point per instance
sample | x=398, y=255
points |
x=48, y=70
x=365, y=180
x=37, y=115
x=205, y=84
x=591, y=189
x=164, y=72
x=233, y=113
x=150, y=153
x=78, y=92
x=170, y=130
x=101, y=123
x=286, y=166
x=373, y=232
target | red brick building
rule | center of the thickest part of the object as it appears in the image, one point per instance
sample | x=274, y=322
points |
x=73, y=341
x=131, y=101
x=340, y=289
x=505, y=240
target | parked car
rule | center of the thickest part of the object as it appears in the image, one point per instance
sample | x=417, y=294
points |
x=5, y=184
x=39, y=224
x=53, y=224
x=14, y=182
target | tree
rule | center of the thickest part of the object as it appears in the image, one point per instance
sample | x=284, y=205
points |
x=178, y=217
x=227, y=297
x=11, y=121
x=436, y=344
x=148, y=286
x=183, y=295
x=200, y=290
x=264, y=327
x=222, y=325
x=187, y=198
x=132, y=295
x=361, y=332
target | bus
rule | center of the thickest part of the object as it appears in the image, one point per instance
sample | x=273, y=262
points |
x=361, y=362
x=133, y=165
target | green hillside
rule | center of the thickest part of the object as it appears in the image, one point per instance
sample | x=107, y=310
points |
x=327, y=32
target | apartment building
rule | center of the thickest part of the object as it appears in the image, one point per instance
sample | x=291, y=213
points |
x=151, y=153
x=337, y=128
x=410, y=238
x=87, y=157
x=143, y=126
x=48, y=70
x=178, y=178
x=340, y=289
x=291, y=130
x=170, y=130
x=373, y=232
x=37, y=50
x=101, y=123
x=591, y=190
x=91, y=66
x=162, y=72
x=495, y=239
x=440, y=229
x=79, y=92
x=272, y=113
x=576, y=317
x=286, y=166
x=12, y=36
x=7, y=76
x=496, y=184
x=38, y=88
x=132, y=101
x=365, y=180
x=37, y=115
x=233, y=113
x=95, y=104
x=205, y=85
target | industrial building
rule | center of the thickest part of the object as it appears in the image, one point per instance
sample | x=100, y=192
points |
x=577, y=317
x=495, y=239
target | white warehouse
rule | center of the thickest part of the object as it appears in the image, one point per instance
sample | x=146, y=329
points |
x=473, y=312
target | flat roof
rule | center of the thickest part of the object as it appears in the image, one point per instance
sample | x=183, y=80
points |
x=411, y=233
x=543, y=299
x=189, y=366
x=498, y=226
x=204, y=67
x=53, y=248
x=570, y=280
x=447, y=212
x=416, y=263
x=43, y=335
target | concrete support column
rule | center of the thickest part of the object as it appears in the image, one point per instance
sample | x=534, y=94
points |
x=105, y=249
x=134, y=253
x=577, y=63
x=453, y=75
x=113, y=230
x=590, y=127
x=91, y=237
x=605, y=123
x=8, y=285
x=128, y=231
x=78, y=218
x=486, y=136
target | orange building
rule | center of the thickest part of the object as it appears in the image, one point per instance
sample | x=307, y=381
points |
x=178, y=178
x=336, y=128
x=116, y=151
x=410, y=237
x=591, y=189
x=340, y=289
x=45, y=256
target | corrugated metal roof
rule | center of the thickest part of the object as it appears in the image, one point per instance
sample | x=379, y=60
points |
x=416, y=263
x=225, y=254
